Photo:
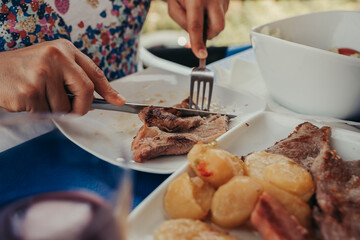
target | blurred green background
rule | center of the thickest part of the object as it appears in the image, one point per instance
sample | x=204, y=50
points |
x=245, y=14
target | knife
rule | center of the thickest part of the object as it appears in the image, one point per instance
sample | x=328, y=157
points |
x=99, y=103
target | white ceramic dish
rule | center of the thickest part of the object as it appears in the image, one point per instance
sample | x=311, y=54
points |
x=257, y=133
x=110, y=133
x=301, y=74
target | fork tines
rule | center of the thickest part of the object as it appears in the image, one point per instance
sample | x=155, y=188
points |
x=202, y=77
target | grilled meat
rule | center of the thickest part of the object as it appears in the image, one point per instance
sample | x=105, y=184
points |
x=304, y=144
x=168, y=119
x=338, y=197
x=274, y=222
x=165, y=132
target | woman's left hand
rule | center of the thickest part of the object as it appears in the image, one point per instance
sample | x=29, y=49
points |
x=189, y=14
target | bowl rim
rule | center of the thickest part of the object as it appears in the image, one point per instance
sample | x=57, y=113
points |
x=254, y=31
x=304, y=15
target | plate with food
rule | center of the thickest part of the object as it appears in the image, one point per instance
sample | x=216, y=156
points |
x=271, y=177
x=156, y=139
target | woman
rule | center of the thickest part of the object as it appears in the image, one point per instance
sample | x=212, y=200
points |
x=78, y=45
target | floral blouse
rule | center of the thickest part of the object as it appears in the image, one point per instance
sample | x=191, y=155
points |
x=105, y=30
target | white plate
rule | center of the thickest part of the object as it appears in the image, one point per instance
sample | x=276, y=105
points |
x=106, y=133
x=257, y=133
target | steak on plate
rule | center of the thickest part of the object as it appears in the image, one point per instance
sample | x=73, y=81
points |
x=337, y=182
x=166, y=132
x=305, y=144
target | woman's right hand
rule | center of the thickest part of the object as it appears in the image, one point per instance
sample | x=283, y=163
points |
x=35, y=79
x=189, y=14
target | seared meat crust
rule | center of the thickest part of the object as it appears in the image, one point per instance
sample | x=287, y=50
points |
x=168, y=119
x=305, y=144
x=165, y=132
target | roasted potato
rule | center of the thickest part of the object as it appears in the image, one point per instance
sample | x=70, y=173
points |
x=188, y=197
x=214, y=165
x=290, y=177
x=280, y=171
x=234, y=201
x=256, y=162
x=293, y=204
x=187, y=229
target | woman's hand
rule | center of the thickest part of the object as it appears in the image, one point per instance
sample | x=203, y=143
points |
x=189, y=14
x=35, y=79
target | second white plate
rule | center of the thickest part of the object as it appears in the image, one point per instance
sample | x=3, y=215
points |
x=254, y=134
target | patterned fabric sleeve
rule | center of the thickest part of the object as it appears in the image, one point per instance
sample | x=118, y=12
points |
x=105, y=30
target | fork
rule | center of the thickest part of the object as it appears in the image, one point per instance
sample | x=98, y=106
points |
x=201, y=76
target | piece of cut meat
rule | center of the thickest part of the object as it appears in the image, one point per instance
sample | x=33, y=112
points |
x=305, y=144
x=168, y=119
x=338, y=197
x=151, y=142
x=274, y=222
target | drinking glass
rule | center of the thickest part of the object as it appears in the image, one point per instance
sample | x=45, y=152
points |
x=50, y=188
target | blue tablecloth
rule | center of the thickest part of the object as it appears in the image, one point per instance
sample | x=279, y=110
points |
x=231, y=50
x=52, y=162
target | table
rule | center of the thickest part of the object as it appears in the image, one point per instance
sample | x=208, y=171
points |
x=22, y=175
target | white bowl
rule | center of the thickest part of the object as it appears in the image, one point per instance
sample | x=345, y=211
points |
x=301, y=74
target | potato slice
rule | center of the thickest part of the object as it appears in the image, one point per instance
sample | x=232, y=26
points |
x=280, y=171
x=214, y=165
x=188, y=197
x=293, y=204
x=290, y=177
x=234, y=201
x=187, y=229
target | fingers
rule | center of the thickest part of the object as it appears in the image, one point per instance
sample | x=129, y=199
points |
x=82, y=76
x=101, y=84
x=216, y=19
x=79, y=84
x=177, y=12
x=35, y=100
x=189, y=14
x=57, y=98
x=39, y=85
x=195, y=27
x=39, y=105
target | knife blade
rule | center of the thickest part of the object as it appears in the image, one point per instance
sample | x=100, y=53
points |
x=135, y=108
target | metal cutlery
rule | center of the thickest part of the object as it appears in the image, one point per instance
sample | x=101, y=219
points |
x=136, y=108
x=201, y=77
